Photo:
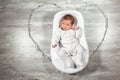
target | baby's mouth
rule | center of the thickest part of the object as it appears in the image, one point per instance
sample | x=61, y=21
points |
x=63, y=29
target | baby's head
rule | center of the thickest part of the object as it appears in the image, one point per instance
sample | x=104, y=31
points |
x=67, y=22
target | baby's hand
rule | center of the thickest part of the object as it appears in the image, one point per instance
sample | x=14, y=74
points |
x=75, y=28
x=54, y=45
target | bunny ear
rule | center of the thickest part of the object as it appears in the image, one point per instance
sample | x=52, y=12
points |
x=75, y=23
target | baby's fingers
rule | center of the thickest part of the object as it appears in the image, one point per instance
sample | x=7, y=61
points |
x=54, y=45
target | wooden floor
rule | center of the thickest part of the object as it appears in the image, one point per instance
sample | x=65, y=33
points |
x=19, y=58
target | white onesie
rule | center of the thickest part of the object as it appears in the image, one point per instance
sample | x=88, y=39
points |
x=71, y=50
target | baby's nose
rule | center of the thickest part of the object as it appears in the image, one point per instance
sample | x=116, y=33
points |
x=65, y=25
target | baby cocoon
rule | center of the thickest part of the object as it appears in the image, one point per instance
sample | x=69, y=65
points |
x=68, y=35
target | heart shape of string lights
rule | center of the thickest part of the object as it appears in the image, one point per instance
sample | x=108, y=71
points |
x=83, y=8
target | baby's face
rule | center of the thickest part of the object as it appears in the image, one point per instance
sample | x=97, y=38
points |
x=66, y=24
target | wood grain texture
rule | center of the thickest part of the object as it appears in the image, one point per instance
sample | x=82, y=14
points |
x=19, y=59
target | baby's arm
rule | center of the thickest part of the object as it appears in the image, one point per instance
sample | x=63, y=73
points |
x=78, y=33
x=56, y=38
x=75, y=28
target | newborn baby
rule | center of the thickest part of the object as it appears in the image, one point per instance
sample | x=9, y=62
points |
x=68, y=35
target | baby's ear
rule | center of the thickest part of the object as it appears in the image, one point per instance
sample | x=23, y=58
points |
x=73, y=26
